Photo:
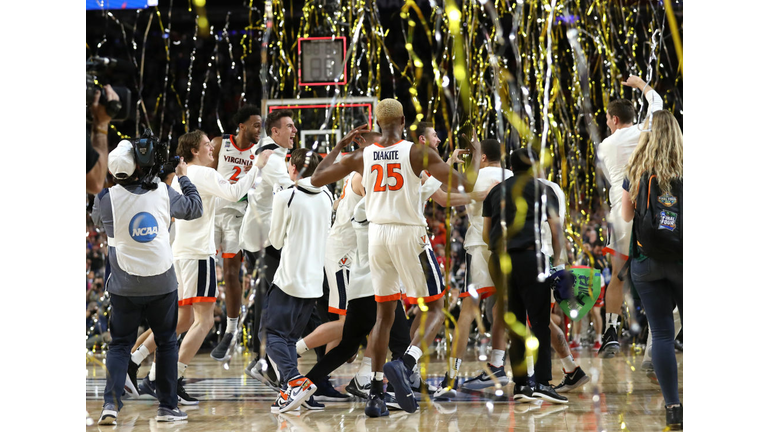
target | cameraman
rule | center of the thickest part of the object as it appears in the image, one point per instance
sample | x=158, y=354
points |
x=96, y=147
x=142, y=281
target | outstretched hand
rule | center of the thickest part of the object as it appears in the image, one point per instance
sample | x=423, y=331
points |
x=634, y=81
x=263, y=157
x=474, y=142
x=354, y=136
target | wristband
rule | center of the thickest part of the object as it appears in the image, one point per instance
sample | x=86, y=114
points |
x=101, y=131
x=560, y=267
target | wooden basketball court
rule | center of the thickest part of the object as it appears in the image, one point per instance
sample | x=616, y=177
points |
x=620, y=397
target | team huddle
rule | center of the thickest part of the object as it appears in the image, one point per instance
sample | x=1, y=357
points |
x=237, y=196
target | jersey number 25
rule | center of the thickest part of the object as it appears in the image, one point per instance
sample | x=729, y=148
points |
x=382, y=182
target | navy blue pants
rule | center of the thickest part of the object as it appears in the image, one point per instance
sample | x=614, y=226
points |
x=660, y=286
x=284, y=318
x=162, y=312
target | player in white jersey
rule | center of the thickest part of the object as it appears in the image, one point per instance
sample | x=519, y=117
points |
x=613, y=154
x=194, y=250
x=397, y=239
x=233, y=156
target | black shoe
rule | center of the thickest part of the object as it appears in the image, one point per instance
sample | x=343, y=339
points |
x=222, y=352
x=148, y=387
x=678, y=346
x=572, y=380
x=398, y=377
x=266, y=377
x=356, y=389
x=131, y=382
x=109, y=414
x=375, y=407
x=327, y=393
x=610, y=343
x=184, y=398
x=523, y=394
x=675, y=417
x=447, y=389
x=170, y=415
x=546, y=392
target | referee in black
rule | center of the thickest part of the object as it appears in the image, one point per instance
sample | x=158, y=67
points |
x=527, y=297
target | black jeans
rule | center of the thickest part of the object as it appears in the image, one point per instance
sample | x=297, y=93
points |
x=526, y=298
x=162, y=312
x=660, y=286
x=361, y=318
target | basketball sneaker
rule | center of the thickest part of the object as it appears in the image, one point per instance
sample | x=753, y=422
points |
x=299, y=390
x=523, y=394
x=280, y=402
x=399, y=377
x=312, y=405
x=610, y=343
x=354, y=388
x=447, y=389
x=484, y=380
x=327, y=393
x=391, y=402
x=170, y=415
x=596, y=346
x=147, y=387
x=417, y=382
x=267, y=377
x=574, y=345
x=108, y=414
x=572, y=380
x=184, y=397
x=376, y=407
x=223, y=349
x=546, y=392
x=131, y=382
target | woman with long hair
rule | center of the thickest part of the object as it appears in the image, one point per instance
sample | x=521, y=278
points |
x=658, y=279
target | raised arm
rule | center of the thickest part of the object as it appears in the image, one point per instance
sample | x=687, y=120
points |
x=422, y=155
x=654, y=99
x=328, y=171
x=216, y=149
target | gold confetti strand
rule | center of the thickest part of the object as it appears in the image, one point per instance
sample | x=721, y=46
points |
x=141, y=77
x=675, y=33
x=205, y=79
x=167, y=38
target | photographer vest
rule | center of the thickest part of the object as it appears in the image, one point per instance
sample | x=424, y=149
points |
x=232, y=164
x=141, y=240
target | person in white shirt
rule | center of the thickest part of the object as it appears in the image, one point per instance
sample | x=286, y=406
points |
x=300, y=223
x=613, y=154
x=254, y=233
x=232, y=156
x=398, y=240
x=478, y=284
x=194, y=251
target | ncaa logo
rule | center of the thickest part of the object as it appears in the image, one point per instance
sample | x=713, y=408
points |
x=143, y=227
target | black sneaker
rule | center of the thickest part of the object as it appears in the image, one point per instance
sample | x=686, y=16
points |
x=354, y=388
x=312, y=405
x=222, y=352
x=170, y=415
x=184, y=398
x=483, y=380
x=675, y=417
x=523, y=394
x=267, y=377
x=572, y=380
x=109, y=415
x=610, y=343
x=147, y=387
x=398, y=376
x=447, y=389
x=391, y=402
x=131, y=382
x=326, y=393
x=546, y=392
x=375, y=407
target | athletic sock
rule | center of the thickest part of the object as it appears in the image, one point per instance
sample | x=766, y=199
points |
x=377, y=383
x=411, y=357
x=497, y=358
x=569, y=366
x=181, y=369
x=453, y=368
x=530, y=365
x=613, y=320
x=232, y=324
x=363, y=375
x=152, y=372
x=301, y=347
x=140, y=354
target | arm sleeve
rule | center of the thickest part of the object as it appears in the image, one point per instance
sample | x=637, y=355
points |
x=280, y=219
x=215, y=184
x=655, y=102
x=489, y=200
x=188, y=206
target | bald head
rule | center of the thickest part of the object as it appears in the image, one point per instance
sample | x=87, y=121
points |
x=389, y=112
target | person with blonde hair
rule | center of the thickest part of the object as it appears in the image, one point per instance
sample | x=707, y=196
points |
x=653, y=200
